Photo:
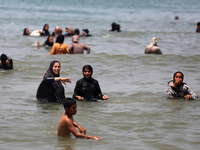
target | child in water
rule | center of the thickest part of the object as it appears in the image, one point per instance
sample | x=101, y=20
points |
x=177, y=88
x=67, y=124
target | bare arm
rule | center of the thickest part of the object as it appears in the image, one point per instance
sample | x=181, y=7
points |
x=73, y=130
x=81, y=129
x=87, y=48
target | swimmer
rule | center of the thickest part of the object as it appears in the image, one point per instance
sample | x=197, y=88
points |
x=198, y=27
x=6, y=63
x=115, y=27
x=177, y=88
x=48, y=43
x=67, y=123
x=59, y=47
x=77, y=47
x=153, y=48
x=26, y=31
x=88, y=88
x=51, y=88
x=86, y=33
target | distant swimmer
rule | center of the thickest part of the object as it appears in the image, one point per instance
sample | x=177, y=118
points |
x=76, y=47
x=48, y=43
x=6, y=63
x=59, y=47
x=198, y=27
x=86, y=33
x=176, y=18
x=45, y=30
x=68, y=125
x=115, y=27
x=57, y=31
x=177, y=88
x=153, y=48
x=26, y=32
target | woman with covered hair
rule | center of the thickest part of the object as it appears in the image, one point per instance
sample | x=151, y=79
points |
x=59, y=47
x=153, y=48
x=88, y=88
x=45, y=30
x=177, y=88
x=5, y=62
x=51, y=88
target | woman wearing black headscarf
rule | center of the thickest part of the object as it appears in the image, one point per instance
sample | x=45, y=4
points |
x=5, y=62
x=45, y=30
x=51, y=88
x=177, y=88
x=88, y=88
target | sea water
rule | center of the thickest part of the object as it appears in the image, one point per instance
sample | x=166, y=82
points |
x=137, y=115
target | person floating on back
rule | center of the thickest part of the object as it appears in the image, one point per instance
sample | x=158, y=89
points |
x=67, y=124
x=177, y=88
x=153, y=48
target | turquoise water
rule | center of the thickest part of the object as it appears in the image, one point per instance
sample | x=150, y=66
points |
x=138, y=115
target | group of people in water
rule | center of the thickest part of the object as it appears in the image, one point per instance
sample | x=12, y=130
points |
x=87, y=88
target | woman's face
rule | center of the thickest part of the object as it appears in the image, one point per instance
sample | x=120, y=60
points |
x=46, y=27
x=27, y=32
x=51, y=39
x=56, y=68
x=87, y=73
x=178, y=78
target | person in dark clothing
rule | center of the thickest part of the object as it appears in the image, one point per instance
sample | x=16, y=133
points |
x=88, y=88
x=198, y=27
x=6, y=63
x=45, y=31
x=115, y=27
x=51, y=88
x=48, y=43
x=86, y=33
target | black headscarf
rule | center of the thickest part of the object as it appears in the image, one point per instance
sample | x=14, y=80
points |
x=24, y=33
x=47, y=43
x=44, y=31
x=3, y=59
x=50, y=91
x=60, y=39
x=113, y=25
x=175, y=75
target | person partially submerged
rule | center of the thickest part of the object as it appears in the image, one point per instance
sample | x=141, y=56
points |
x=67, y=124
x=77, y=47
x=153, y=48
x=177, y=88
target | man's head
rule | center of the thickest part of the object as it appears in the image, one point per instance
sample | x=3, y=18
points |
x=69, y=105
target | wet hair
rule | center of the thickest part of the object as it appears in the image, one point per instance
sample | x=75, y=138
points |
x=175, y=75
x=60, y=39
x=113, y=25
x=88, y=67
x=24, y=33
x=68, y=102
x=76, y=31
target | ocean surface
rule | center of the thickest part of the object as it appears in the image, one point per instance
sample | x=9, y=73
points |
x=138, y=115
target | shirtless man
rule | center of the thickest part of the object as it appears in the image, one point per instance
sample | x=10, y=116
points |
x=67, y=124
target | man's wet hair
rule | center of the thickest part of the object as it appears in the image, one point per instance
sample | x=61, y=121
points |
x=68, y=102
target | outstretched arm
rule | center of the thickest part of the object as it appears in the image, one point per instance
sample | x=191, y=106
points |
x=81, y=129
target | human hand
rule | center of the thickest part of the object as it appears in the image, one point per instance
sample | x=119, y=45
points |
x=105, y=97
x=96, y=138
x=188, y=96
x=63, y=80
x=79, y=97
x=177, y=82
x=82, y=130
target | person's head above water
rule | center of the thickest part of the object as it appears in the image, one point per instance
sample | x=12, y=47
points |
x=60, y=39
x=54, y=69
x=180, y=75
x=87, y=71
x=68, y=102
x=26, y=31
